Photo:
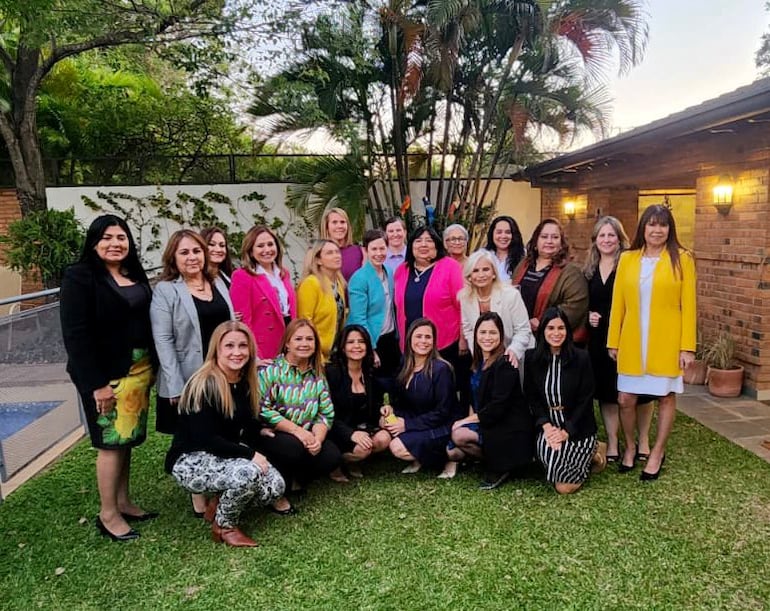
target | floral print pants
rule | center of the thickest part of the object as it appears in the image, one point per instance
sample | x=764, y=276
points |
x=237, y=480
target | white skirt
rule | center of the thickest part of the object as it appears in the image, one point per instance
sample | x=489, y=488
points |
x=657, y=386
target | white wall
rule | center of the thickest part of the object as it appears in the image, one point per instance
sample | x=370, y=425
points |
x=517, y=199
x=62, y=198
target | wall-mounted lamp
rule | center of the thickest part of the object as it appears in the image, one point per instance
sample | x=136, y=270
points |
x=569, y=210
x=723, y=194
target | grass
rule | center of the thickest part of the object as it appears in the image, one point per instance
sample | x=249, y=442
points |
x=697, y=538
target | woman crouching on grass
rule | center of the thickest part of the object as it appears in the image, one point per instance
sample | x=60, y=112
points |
x=218, y=403
x=499, y=427
x=559, y=387
x=420, y=422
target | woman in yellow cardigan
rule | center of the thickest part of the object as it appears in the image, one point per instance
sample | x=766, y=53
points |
x=321, y=293
x=652, y=328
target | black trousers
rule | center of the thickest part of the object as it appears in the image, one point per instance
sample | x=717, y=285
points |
x=287, y=454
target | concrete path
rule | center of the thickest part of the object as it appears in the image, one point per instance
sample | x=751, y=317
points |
x=742, y=420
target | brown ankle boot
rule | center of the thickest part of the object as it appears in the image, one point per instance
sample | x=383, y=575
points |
x=234, y=537
x=211, y=509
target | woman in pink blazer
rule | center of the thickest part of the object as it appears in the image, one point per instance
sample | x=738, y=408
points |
x=262, y=292
x=426, y=285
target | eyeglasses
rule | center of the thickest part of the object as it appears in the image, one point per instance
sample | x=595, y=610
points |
x=458, y=240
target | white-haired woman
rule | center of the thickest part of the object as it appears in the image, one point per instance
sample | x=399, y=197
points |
x=456, y=242
x=485, y=292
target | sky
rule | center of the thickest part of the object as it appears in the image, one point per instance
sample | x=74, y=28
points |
x=697, y=50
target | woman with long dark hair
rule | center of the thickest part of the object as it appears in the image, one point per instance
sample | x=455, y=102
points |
x=420, y=421
x=559, y=387
x=357, y=397
x=498, y=428
x=547, y=278
x=220, y=261
x=652, y=331
x=504, y=241
x=218, y=408
x=105, y=320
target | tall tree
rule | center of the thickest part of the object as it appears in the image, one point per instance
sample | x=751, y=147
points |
x=35, y=35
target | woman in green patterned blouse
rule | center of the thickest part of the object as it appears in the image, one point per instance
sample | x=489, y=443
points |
x=297, y=409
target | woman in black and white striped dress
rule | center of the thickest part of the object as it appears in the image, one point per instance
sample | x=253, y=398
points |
x=558, y=385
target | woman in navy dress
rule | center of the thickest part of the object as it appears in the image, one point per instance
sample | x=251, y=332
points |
x=420, y=423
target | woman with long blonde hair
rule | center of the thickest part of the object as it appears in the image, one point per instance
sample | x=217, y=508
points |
x=608, y=242
x=321, y=293
x=335, y=226
x=217, y=411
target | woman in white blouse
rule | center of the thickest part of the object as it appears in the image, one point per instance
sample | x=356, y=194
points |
x=485, y=292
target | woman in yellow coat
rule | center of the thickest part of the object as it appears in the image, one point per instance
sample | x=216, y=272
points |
x=321, y=293
x=652, y=328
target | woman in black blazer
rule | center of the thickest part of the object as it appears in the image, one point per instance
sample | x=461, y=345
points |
x=105, y=319
x=559, y=387
x=357, y=398
x=499, y=428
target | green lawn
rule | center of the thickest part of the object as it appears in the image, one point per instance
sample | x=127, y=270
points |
x=698, y=537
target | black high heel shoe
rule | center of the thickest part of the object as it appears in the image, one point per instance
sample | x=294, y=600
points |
x=624, y=468
x=129, y=536
x=646, y=476
x=149, y=515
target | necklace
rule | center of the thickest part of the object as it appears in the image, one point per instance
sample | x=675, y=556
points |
x=419, y=274
x=197, y=289
x=485, y=299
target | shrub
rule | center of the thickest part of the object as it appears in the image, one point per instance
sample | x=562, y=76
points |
x=43, y=243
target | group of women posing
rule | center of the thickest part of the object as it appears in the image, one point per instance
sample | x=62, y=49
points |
x=265, y=388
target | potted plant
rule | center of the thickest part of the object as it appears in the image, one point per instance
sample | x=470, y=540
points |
x=695, y=372
x=724, y=376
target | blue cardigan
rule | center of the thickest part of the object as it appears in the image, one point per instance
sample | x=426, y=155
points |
x=367, y=300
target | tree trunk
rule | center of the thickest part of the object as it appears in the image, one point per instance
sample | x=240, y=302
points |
x=18, y=128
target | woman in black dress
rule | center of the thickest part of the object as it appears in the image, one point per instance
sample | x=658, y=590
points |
x=105, y=320
x=608, y=241
x=357, y=397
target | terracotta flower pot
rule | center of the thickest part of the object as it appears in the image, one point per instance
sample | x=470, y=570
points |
x=695, y=372
x=725, y=382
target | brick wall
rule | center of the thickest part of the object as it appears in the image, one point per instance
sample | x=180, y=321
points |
x=620, y=202
x=733, y=259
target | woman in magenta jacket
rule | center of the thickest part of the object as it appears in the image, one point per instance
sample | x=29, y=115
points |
x=262, y=292
x=426, y=285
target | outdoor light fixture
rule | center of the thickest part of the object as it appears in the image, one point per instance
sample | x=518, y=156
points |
x=569, y=210
x=723, y=194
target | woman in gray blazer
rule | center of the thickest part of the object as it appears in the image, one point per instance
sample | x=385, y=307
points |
x=187, y=305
